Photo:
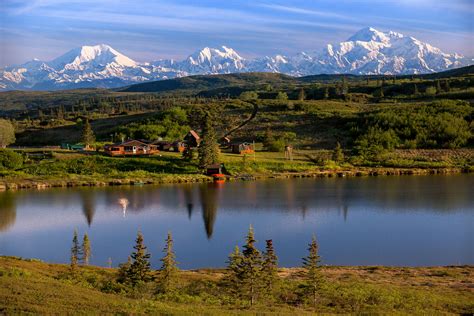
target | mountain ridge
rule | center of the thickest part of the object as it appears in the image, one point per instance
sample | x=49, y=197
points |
x=367, y=52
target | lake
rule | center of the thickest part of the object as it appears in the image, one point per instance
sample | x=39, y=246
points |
x=397, y=221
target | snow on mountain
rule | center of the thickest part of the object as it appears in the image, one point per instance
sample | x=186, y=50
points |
x=213, y=60
x=368, y=51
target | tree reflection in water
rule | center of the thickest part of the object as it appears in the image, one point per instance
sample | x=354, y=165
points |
x=7, y=211
x=88, y=205
x=209, y=194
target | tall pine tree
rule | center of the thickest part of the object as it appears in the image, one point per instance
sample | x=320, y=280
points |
x=269, y=267
x=250, y=271
x=139, y=270
x=87, y=134
x=313, y=276
x=75, y=251
x=168, y=268
x=208, y=148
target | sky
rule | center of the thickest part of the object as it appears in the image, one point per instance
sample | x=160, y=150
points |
x=147, y=30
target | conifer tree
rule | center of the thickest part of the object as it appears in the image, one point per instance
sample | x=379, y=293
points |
x=124, y=270
x=447, y=87
x=338, y=155
x=250, y=271
x=301, y=95
x=234, y=265
x=139, y=270
x=169, y=267
x=269, y=267
x=345, y=86
x=87, y=134
x=209, y=148
x=415, y=89
x=438, y=87
x=311, y=266
x=86, y=250
x=75, y=252
x=326, y=93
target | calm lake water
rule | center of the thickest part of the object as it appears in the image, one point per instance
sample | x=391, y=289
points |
x=401, y=221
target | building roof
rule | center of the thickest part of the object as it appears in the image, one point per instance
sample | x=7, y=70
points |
x=195, y=135
x=129, y=142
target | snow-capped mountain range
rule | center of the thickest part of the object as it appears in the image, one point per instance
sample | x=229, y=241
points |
x=369, y=51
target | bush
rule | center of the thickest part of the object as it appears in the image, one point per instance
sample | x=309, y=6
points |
x=441, y=124
x=10, y=159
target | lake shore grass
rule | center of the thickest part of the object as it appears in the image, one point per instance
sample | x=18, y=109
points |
x=32, y=286
x=71, y=169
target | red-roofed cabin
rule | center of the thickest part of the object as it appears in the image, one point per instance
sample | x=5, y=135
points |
x=131, y=148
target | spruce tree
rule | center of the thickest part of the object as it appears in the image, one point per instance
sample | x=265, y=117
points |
x=168, y=268
x=415, y=89
x=140, y=268
x=301, y=95
x=234, y=265
x=86, y=250
x=269, y=267
x=345, y=86
x=338, y=155
x=123, y=271
x=250, y=271
x=208, y=148
x=75, y=251
x=313, y=276
x=447, y=87
x=87, y=134
x=438, y=87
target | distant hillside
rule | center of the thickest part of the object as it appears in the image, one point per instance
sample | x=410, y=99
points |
x=233, y=82
x=193, y=84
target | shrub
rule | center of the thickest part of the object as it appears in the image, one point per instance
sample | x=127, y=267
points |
x=10, y=159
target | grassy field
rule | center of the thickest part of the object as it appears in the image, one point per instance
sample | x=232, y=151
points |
x=31, y=286
x=68, y=168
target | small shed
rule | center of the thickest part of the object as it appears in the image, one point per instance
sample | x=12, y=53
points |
x=243, y=148
x=214, y=169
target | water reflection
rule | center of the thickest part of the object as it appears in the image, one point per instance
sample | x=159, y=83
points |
x=88, y=206
x=390, y=218
x=7, y=211
x=209, y=194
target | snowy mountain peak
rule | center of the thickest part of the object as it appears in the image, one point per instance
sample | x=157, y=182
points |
x=86, y=56
x=368, y=51
x=369, y=34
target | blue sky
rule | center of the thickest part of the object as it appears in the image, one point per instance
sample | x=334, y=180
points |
x=147, y=30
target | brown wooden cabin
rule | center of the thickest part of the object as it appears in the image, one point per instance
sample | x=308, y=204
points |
x=192, y=139
x=131, y=148
x=242, y=148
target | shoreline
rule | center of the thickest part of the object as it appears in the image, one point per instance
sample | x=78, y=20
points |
x=39, y=184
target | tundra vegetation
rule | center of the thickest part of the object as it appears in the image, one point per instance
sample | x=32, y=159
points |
x=251, y=283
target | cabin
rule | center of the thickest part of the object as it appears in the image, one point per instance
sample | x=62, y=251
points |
x=242, y=148
x=192, y=139
x=214, y=169
x=131, y=147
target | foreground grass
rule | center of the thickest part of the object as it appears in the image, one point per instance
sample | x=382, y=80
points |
x=36, y=287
